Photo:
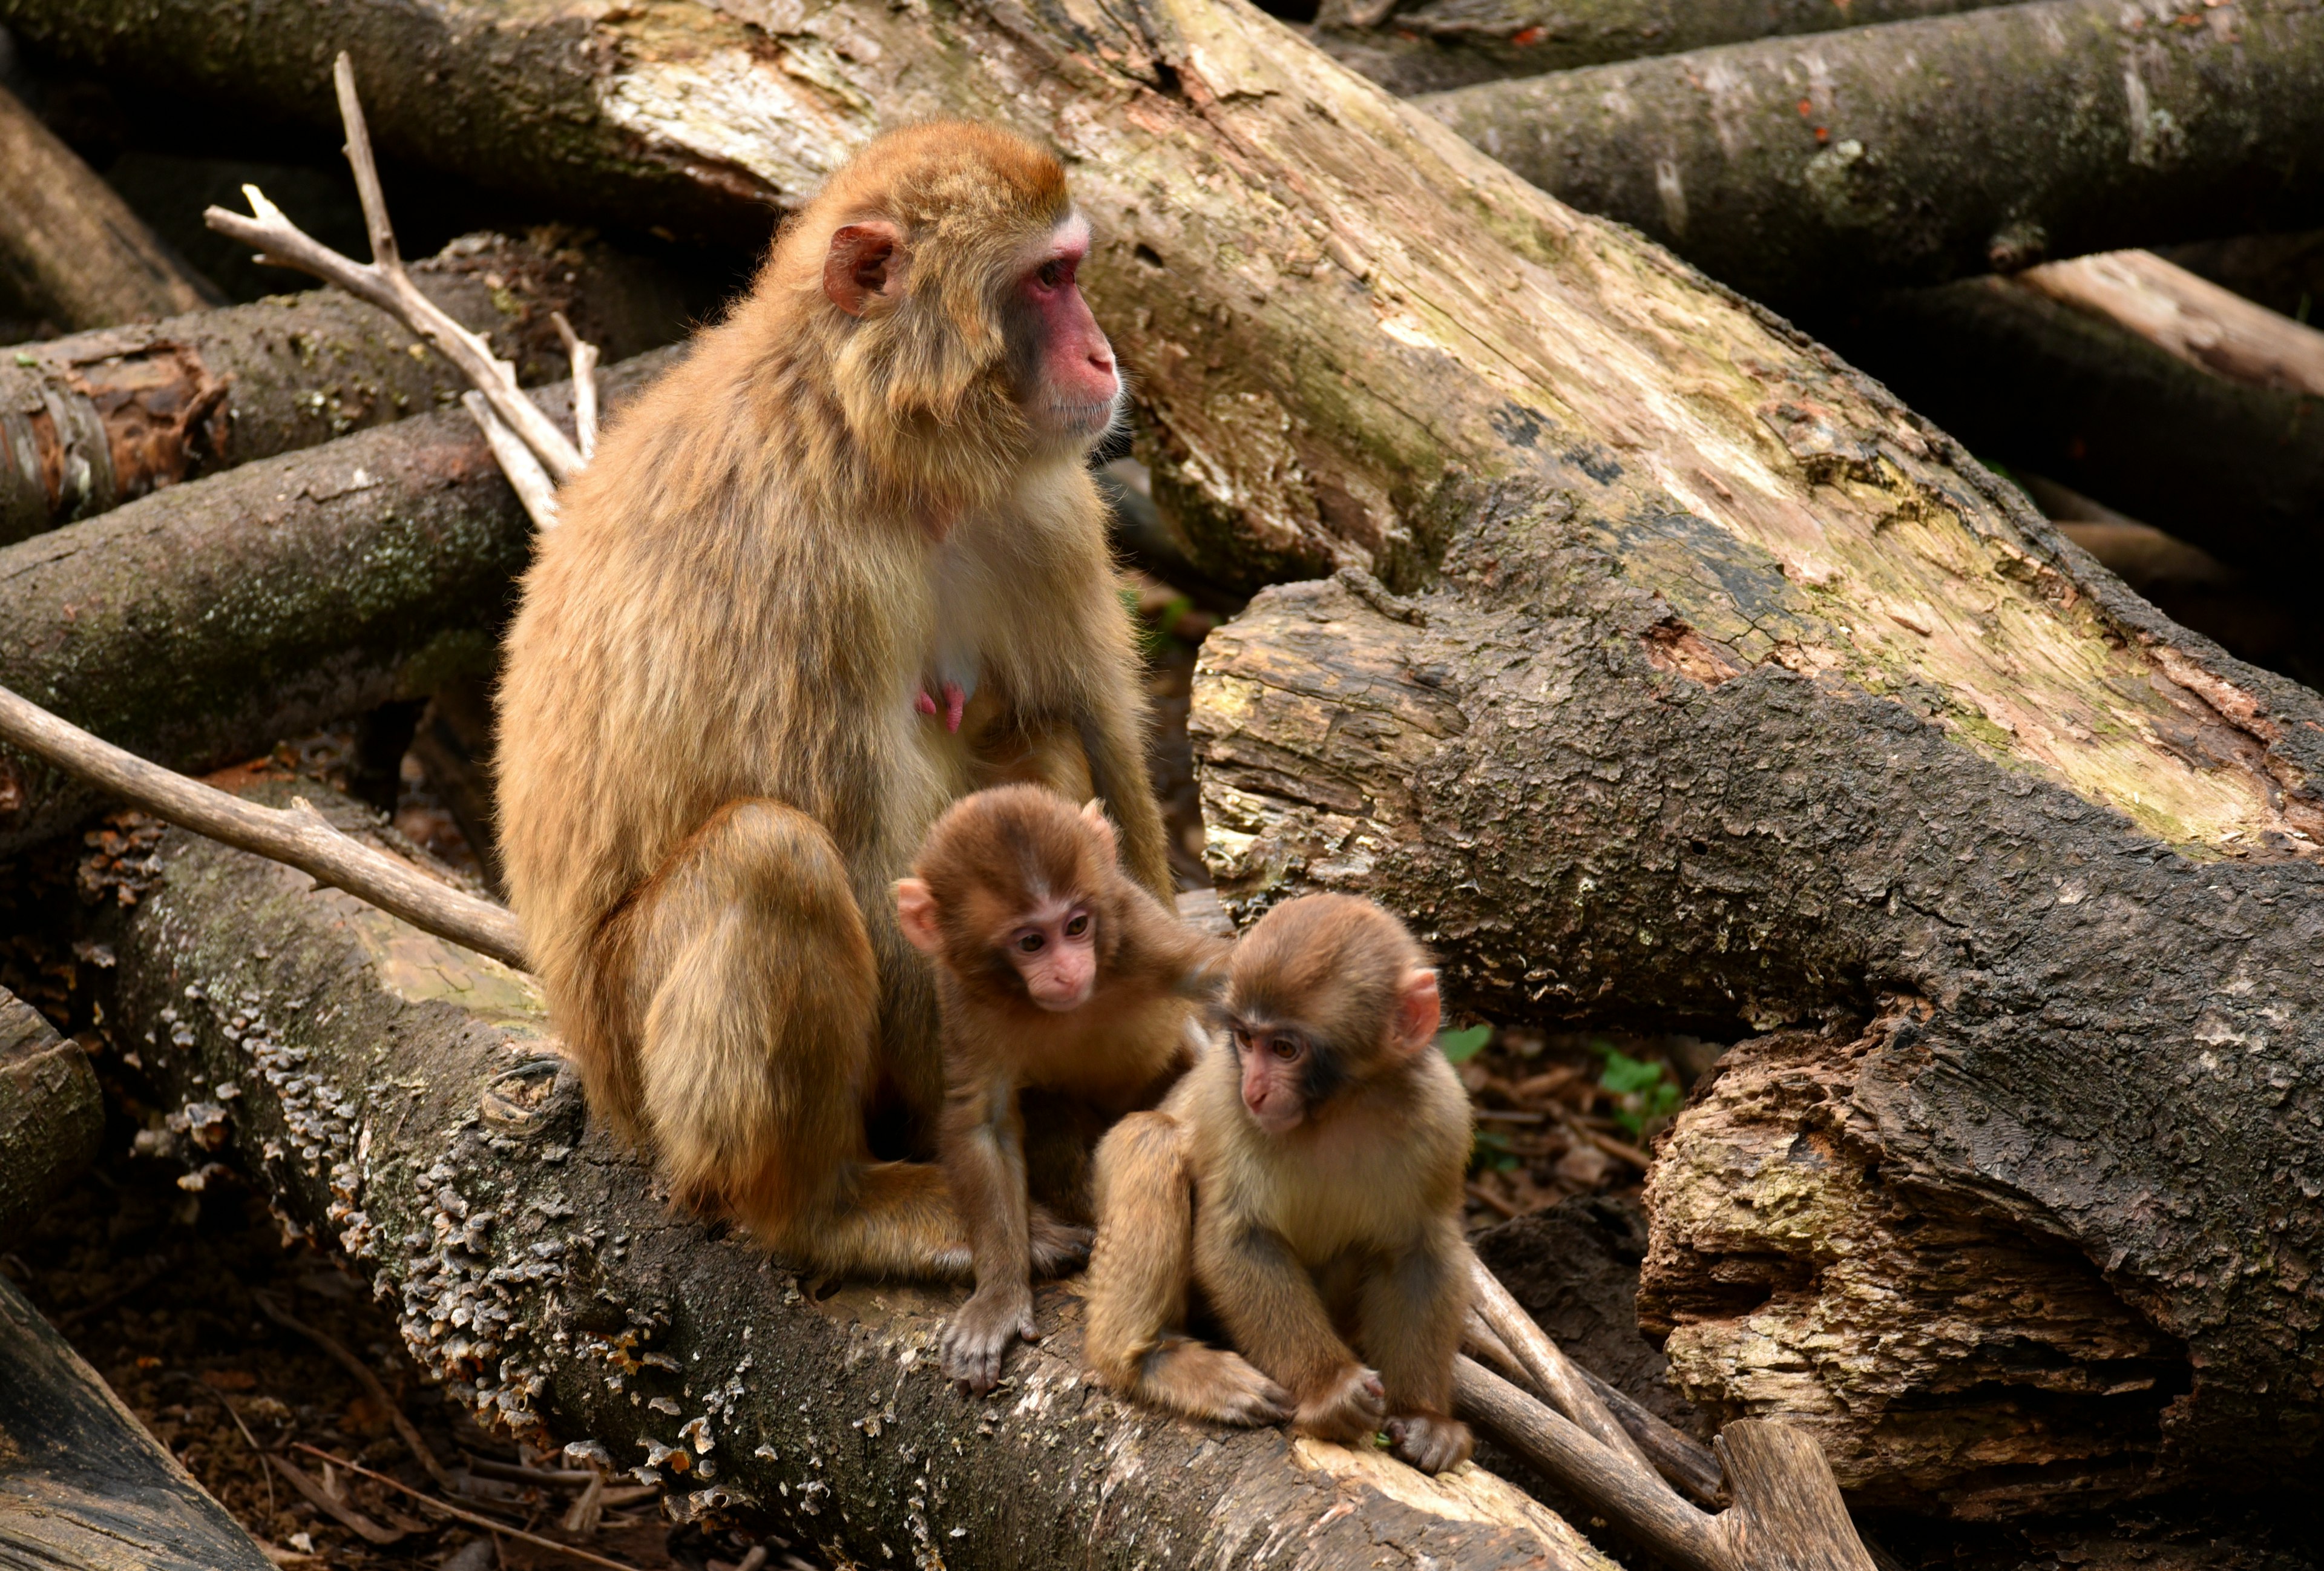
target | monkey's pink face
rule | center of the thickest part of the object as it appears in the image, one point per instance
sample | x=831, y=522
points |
x=1072, y=388
x=1278, y=1068
x=1055, y=950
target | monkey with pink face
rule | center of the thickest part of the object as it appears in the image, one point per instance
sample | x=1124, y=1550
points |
x=842, y=565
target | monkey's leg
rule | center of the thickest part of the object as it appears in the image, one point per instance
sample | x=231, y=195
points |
x=755, y=982
x=1272, y=1311
x=1409, y=1313
x=984, y=1163
x=1139, y=1274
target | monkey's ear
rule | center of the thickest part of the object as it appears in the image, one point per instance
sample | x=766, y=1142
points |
x=866, y=259
x=1100, y=826
x=1418, y=1011
x=916, y=913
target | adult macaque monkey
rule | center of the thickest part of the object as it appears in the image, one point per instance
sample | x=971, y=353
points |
x=842, y=566
x=1311, y=1166
x=1053, y=971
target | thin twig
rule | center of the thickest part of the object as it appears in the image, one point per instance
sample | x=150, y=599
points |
x=585, y=384
x=298, y=834
x=337, y=1510
x=404, y=1428
x=471, y=1518
x=265, y=1474
x=526, y=477
x=385, y=282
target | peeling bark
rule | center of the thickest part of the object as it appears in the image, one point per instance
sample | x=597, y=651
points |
x=1437, y=44
x=98, y=419
x=52, y=1115
x=1924, y=151
x=199, y=624
x=401, y=1096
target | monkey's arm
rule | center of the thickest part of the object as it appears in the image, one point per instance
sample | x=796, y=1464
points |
x=1272, y=1311
x=982, y=1146
x=1112, y=721
x=1410, y=1313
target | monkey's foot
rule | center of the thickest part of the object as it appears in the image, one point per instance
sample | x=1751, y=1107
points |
x=1430, y=1441
x=1210, y=1382
x=1058, y=1247
x=978, y=1337
x=1350, y=1409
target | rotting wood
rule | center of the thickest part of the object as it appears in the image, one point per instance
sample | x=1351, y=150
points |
x=101, y=418
x=52, y=1115
x=2189, y=316
x=82, y=1485
x=1437, y=44
x=401, y=1096
x=70, y=247
x=197, y=626
x=1924, y=151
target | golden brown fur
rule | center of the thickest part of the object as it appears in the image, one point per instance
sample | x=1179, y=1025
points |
x=993, y=860
x=711, y=766
x=1344, y=1229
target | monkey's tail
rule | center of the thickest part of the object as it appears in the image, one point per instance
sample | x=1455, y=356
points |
x=1143, y=1258
x=882, y=1219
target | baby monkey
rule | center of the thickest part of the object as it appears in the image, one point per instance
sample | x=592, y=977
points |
x=1055, y=972
x=1306, y=1175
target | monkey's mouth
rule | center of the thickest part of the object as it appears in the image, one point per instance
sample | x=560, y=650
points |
x=1083, y=419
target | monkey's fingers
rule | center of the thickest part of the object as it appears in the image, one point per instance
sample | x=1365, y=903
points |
x=1058, y=1247
x=1350, y=1409
x=1430, y=1441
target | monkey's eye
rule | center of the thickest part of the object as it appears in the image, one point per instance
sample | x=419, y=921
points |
x=1052, y=274
x=1030, y=942
x=1078, y=925
x=1287, y=1048
x=1241, y=1039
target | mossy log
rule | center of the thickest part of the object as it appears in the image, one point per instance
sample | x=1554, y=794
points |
x=98, y=419
x=1921, y=152
x=1672, y=672
x=1437, y=44
x=403, y=1098
x=198, y=625
x=52, y=1115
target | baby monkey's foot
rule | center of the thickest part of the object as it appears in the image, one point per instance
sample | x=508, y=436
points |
x=977, y=1338
x=1212, y=1383
x=1430, y=1441
x=1350, y=1409
x=1058, y=1247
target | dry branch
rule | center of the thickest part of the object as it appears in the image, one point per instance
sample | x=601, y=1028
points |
x=70, y=247
x=1923, y=150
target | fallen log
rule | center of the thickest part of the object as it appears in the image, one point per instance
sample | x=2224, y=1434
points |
x=2189, y=316
x=52, y=1115
x=1652, y=540
x=2225, y=465
x=83, y=1487
x=1437, y=44
x=70, y=247
x=1925, y=151
x=92, y=421
x=401, y=1096
x=199, y=624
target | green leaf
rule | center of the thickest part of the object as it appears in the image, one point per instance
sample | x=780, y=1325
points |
x=1492, y=1152
x=1626, y=1075
x=25, y=360
x=1459, y=1047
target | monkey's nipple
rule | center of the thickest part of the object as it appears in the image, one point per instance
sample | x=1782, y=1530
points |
x=955, y=701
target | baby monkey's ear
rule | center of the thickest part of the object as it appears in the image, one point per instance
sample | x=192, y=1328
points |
x=916, y=913
x=865, y=259
x=1418, y=1011
x=1100, y=826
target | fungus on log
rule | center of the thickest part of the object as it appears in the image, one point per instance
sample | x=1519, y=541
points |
x=401, y=1096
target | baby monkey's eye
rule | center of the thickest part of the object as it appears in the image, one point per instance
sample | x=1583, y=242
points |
x=1241, y=1039
x=1079, y=925
x=1052, y=274
x=1030, y=943
x=1287, y=1048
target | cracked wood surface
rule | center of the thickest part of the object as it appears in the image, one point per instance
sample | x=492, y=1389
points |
x=401, y=1097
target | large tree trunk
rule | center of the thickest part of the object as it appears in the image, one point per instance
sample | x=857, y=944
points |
x=1728, y=692
x=401, y=1096
x=1924, y=151
x=52, y=1115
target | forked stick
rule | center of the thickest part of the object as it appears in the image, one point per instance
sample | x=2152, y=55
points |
x=385, y=282
x=585, y=384
x=1555, y=1375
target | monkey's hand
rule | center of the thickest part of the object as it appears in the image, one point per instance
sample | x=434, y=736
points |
x=1350, y=1408
x=1430, y=1441
x=976, y=1339
x=1058, y=1247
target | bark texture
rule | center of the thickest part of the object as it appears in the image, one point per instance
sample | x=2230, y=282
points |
x=71, y=249
x=401, y=1096
x=98, y=419
x=52, y=1115
x=1437, y=44
x=2231, y=468
x=199, y=624
x=1925, y=151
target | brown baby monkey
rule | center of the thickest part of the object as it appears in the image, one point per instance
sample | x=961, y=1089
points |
x=1306, y=1175
x=1054, y=971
